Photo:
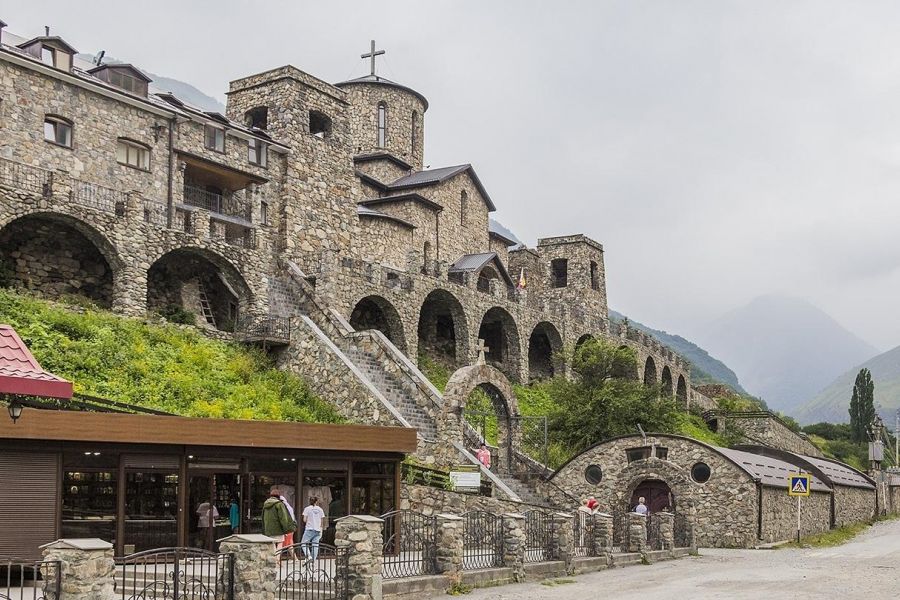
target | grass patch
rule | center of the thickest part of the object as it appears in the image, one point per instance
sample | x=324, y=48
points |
x=834, y=537
x=556, y=582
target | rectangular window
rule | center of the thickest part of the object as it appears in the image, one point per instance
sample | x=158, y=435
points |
x=215, y=138
x=595, y=279
x=634, y=454
x=559, y=268
x=48, y=56
x=662, y=453
x=58, y=131
x=133, y=154
x=264, y=213
x=257, y=152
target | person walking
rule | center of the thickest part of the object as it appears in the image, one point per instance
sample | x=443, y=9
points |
x=276, y=519
x=313, y=516
x=288, y=536
x=484, y=456
x=641, y=508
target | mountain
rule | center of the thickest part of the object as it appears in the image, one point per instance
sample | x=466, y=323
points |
x=832, y=403
x=785, y=349
x=704, y=368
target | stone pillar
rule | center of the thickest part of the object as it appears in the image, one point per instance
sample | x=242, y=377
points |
x=666, y=530
x=87, y=568
x=562, y=542
x=603, y=535
x=361, y=535
x=514, y=544
x=449, y=551
x=200, y=222
x=130, y=289
x=635, y=533
x=255, y=568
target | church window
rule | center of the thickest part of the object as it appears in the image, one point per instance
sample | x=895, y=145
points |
x=414, y=131
x=593, y=474
x=382, y=124
x=560, y=271
x=214, y=138
x=319, y=124
x=426, y=257
x=257, y=117
x=133, y=154
x=701, y=472
x=463, y=206
x=58, y=131
x=595, y=279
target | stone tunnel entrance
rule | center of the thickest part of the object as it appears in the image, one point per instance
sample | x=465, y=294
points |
x=442, y=329
x=500, y=335
x=374, y=312
x=544, y=346
x=56, y=256
x=191, y=286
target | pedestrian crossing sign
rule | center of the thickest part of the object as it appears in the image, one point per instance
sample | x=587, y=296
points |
x=799, y=485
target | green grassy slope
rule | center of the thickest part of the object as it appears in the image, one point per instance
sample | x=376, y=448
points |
x=164, y=367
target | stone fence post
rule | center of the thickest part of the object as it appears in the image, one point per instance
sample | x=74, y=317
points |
x=635, y=533
x=514, y=544
x=449, y=551
x=562, y=542
x=666, y=530
x=603, y=535
x=255, y=566
x=87, y=568
x=361, y=535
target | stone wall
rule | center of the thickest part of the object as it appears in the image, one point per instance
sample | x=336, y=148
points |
x=766, y=429
x=779, y=518
x=385, y=240
x=431, y=501
x=853, y=505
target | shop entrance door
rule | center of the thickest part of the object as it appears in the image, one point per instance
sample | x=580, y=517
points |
x=210, y=500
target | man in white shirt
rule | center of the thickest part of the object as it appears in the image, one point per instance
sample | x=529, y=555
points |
x=313, y=517
x=641, y=508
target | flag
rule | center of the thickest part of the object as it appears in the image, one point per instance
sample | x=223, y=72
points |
x=522, y=281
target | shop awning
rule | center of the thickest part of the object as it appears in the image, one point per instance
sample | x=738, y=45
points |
x=22, y=375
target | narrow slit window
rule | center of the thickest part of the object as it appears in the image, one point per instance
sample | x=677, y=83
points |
x=382, y=124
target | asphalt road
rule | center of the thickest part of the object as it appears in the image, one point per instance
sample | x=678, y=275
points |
x=866, y=567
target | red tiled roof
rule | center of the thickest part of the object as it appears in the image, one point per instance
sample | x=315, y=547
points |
x=21, y=374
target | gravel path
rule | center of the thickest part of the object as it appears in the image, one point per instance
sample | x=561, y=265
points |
x=866, y=567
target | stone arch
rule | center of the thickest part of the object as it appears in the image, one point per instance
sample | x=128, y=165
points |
x=442, y=328
x=681, y=390
x=666, y=381
x=55, y=255
x=375, y=312
x=485, y=276
x=195, y=281
x=650, y=375
x=500, y=333
x=654, y=470
x=503, y=400
x=544, y=346
x=585, y=338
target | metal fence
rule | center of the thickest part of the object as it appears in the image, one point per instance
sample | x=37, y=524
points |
x=175, y=574
x=29, y=580
x=25, y=177
x=100, y=197
x=583, y=530
x=155, y=213
x=253, y=328
x=482, y=540
x=620, y=530
x=410, y=544
x=539, y=532
x=654, y=535
x=302, y=577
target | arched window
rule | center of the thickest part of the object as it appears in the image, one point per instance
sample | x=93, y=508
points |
x=463, y=205
x=414, y=128
x=382, y=124
x=133, y=154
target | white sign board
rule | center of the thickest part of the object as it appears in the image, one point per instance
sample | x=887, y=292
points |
x=465, y=480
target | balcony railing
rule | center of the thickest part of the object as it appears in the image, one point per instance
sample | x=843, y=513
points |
x=272, y=330
x=223, y=204
x=99, y=197
x=25, y=177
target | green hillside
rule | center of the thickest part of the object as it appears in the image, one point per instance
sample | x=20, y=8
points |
x=169, y=368
x=704, y=368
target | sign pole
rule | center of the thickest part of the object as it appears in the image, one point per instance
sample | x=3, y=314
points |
x=798, y=519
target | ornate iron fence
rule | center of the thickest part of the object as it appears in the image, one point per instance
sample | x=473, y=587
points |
x=97, y=196
x=29, y=580
x=25, y=177
x=583, y=530
x=253, y=328
x=482, y=540
x=620, y=530
x=538, y=535
x=410, y=544
x=654, y=535
x=175, y=574
x=322, y=577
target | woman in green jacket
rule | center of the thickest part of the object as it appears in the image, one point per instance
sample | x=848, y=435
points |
x=275, y=517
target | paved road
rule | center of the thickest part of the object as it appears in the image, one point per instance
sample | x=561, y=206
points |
x=866, y=568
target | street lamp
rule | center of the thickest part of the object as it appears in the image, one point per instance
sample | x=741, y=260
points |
x=15, y=409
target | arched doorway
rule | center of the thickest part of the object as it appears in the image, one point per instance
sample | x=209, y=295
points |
x=442, y=329
x=656, y=493
x=544, y=346
x=681, y=390
x=485, y=276
x=667, y=381
x=650, y=376
x=56, y=255
x=501, y=336
x=374, y=312
x=195, y=286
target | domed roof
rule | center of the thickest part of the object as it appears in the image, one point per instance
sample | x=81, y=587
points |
x=376, y=80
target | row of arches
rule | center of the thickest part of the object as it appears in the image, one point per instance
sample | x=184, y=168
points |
x=58, y=255
x=664, y=379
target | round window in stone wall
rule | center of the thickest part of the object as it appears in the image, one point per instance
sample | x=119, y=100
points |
x=700, y=472
x=593, y=474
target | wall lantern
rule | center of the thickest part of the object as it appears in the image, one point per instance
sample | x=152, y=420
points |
x=15, y=409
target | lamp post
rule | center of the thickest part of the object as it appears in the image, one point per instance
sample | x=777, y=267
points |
x=15, y=409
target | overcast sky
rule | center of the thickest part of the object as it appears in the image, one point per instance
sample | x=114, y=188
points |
x=719, y=150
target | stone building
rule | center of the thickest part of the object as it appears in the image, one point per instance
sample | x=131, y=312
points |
x=727, y=497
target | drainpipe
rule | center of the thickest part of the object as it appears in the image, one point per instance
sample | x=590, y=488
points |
x=759, y=510
x=170, y=197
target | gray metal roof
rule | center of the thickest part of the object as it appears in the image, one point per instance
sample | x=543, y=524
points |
x=840, y=473
x=770, y=471
x=474, y=263
x=376, y=80
x=435, y=176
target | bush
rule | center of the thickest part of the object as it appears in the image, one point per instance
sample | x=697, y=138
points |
x=174, y=313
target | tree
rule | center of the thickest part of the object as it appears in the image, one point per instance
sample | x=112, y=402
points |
x=862, y=406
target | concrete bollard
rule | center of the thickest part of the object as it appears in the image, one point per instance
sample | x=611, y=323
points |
x=255, y=567
x=362, y=536
x=87, y=568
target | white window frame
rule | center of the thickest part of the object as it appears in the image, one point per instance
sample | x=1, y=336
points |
x=258, y=152
x=133, y=154
x=52, y=129
x=219, y=131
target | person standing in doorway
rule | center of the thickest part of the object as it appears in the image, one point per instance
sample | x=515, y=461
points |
x=641, y=507
x=313, y=515
x=484, y=456
x=234, y=515
x=207, y=513
x=277, y=520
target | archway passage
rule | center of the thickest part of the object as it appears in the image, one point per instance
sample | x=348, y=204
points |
x=442, y=329
x=681, y=390
x=650, y=376
x=374, y=312
x=544, y=346
x=667, y=381
x=586, y=337
x=501, y=336
x=189, y=285
x=656, y=493
x=56, y=256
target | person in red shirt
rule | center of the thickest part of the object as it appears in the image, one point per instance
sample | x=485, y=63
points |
x=592, y=503
x=484, y=456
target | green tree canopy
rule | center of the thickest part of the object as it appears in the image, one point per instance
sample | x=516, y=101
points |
x=862, y=406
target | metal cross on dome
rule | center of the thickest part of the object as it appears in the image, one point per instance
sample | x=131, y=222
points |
x=371, y=55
